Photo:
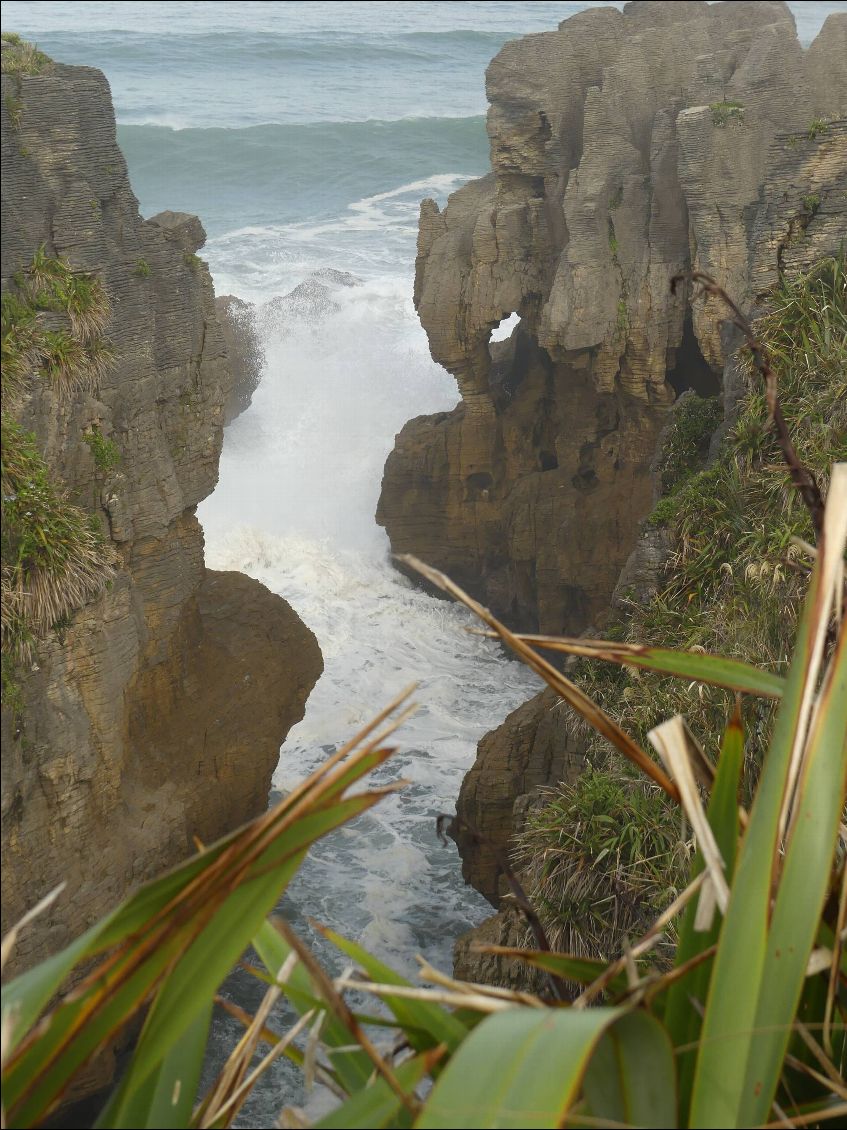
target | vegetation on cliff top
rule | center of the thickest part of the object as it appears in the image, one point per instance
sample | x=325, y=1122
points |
x=728, y=110
x=20, y=57
x=54, y=555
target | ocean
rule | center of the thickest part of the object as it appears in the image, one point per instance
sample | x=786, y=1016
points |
x=305, y=135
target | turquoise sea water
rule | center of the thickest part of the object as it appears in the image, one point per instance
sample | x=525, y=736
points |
x=305, y=136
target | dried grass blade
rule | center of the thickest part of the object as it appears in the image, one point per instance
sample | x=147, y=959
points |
x=336, y=1002
x=714, y=669
x=479, y=1002
x=831, y=565
x=11, y=938
x=644, y=945
x=238, y=1061
x=570, y=692
x=236, y=1100
x=670, y=740
x=470, y=988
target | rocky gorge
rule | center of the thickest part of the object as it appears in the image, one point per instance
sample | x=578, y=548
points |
x=150, y=716
x=626, y=147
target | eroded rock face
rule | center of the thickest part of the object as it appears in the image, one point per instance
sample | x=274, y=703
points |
x=532, y=747
x=159, y=713
x=625, y=147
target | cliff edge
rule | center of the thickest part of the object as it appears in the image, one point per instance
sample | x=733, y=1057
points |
x=151, y=709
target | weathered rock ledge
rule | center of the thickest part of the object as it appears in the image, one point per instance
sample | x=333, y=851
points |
x=158, y=713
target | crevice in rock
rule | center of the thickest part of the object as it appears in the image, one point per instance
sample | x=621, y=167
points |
x=691, y=370
x=478, y=485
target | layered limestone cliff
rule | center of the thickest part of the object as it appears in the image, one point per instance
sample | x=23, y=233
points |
x=155, y=712
x=625, y=147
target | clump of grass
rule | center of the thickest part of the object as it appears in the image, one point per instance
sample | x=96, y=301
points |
x=595, y=856
x=20, y=57
x=54, y=285
x=105, y=451
x=10, y=690
x=75, y=357
x=811, y=204
x=14, y=108
x=192, y=261
x=733, y=586
x=686, y=442
x=54, y=556
x=726, y=111
x=817, y=127
x=718, y=535
x=622, y=317
x=142, y=269
x=613, y=239
x=21, y=345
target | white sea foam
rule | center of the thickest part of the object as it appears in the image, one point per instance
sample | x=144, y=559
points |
x=300, y=477
x=370, y=237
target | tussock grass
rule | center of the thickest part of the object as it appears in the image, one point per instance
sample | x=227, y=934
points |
x=74, y=357
x=14, y=108
x=54, y=556
x=105, y=451
x=733, y=586
x=19, y=57
x=600, y=848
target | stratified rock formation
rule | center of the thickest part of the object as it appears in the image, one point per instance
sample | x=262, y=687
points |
x=625, y=147
x=529, y=749
x=156, y=714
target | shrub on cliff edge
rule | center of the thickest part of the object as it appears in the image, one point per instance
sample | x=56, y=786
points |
x=54, y=556
x=19, y=57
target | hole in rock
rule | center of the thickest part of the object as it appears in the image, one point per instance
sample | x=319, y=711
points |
x=504, y=330
x=478, y=485
x=548, y=460
x=691, y=370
